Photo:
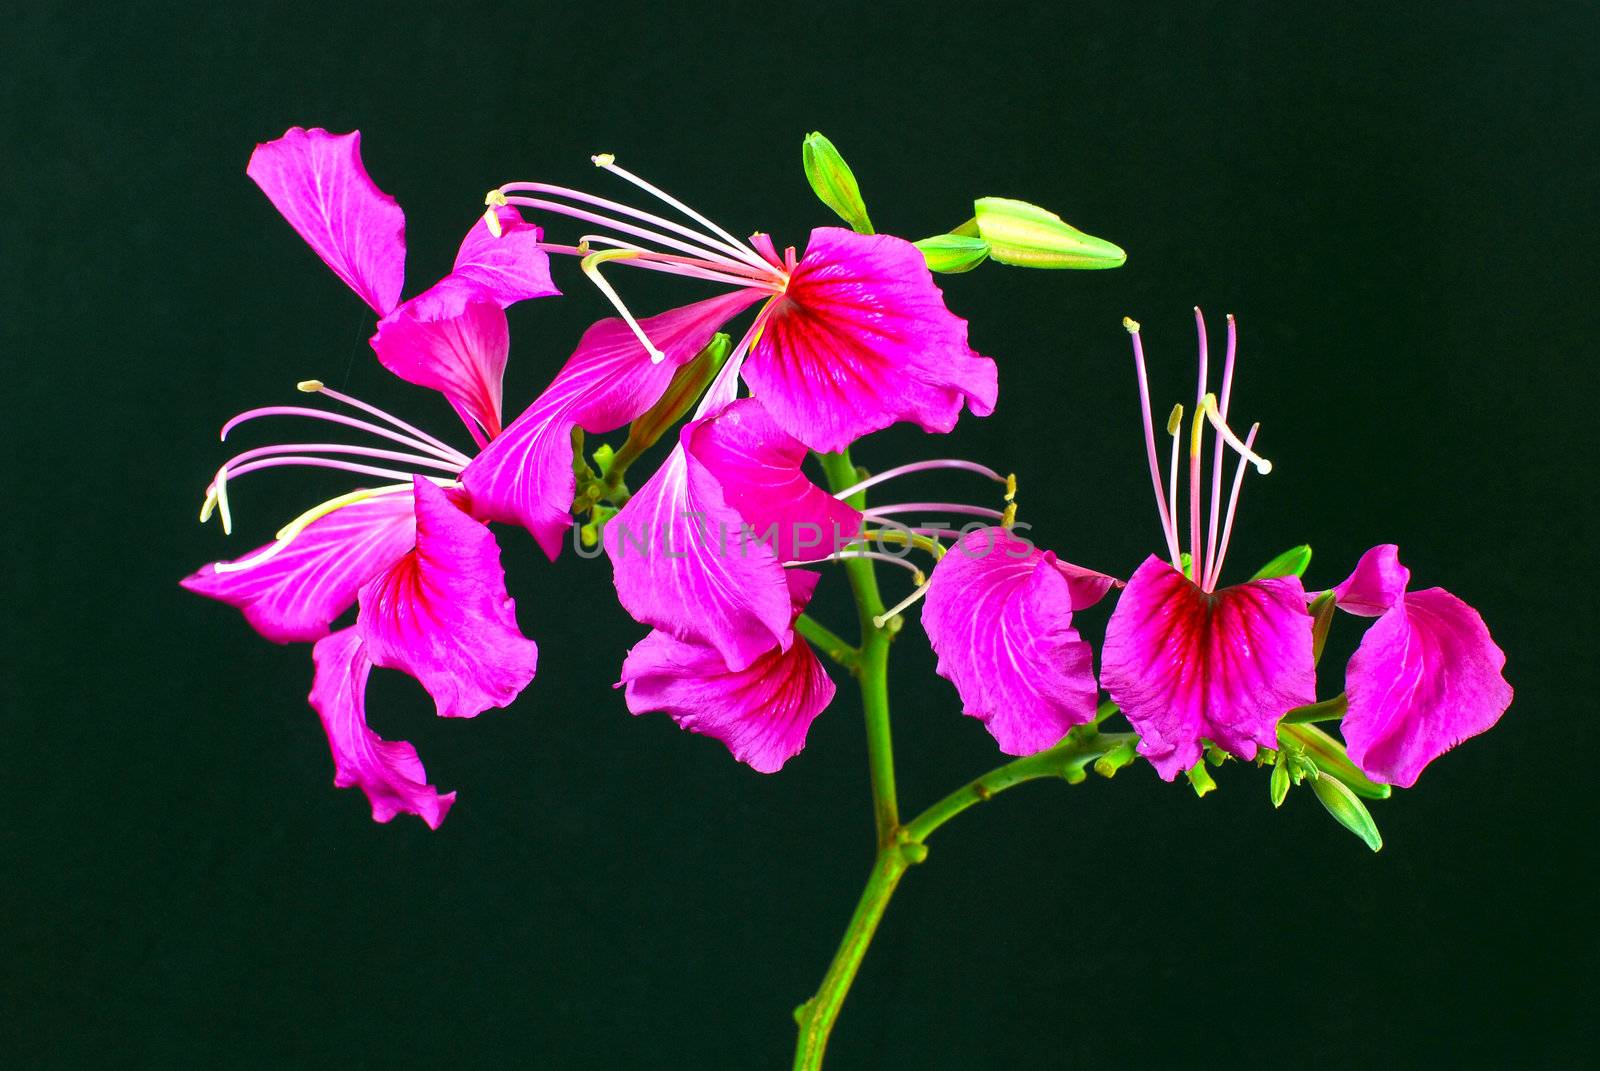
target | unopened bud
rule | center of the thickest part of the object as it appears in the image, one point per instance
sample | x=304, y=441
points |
x=951, y=254
x=1347, y=810
x=1292, y=562
x=1028, y=236
x=833, y=182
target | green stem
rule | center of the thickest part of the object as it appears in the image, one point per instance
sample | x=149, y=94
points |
x=1066, y=760
x=828, y=642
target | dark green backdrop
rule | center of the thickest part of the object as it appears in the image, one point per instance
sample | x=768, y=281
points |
x=1398, y=204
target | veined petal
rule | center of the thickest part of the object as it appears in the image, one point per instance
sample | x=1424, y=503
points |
x=1185, y=665
x=462, y=355
x=297, y=593
x=317, y=180
x=442, y=614
x=524, y=476
x=1426, y=676
x=862, y=339
x=1088, y=586
x=1378, y=582
x=389, y=772
x=999, y=615
x=681, y=563
x=757, y=465
x=762, y=712
x=510, y=268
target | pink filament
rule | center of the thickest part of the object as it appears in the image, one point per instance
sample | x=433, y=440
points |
x=1196, y=439
x=318, y=463
x=919, y=466
x=1233, y=507
x=1217, y=442
x=444, y=454
x=1168, y=528
x=934, y=507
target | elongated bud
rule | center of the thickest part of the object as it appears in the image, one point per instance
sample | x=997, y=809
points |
x=688, y=383
x=1349, y=811
x=833, y=182
x=1321, y=610
x=1292, y=562
x=951, y=254
x=1028, y=236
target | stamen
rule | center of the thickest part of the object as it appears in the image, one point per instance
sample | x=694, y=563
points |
x=493, y=199
x=308, y=461
x=928, y=466
x=607, y=162
x=341, y=448
x=1262, y=465
x=936, y=507
x=870, y=555
x=350, y=422
x=219, y=486
x=879, y=620
x=677, y=265
x=591, y=268
x=1174, y=426
x=737, y=265
x=1009, y=516
x=428, y=443
x=1167, y=529
x=1216, y=457
x=1233, y=508
x=1202, y=378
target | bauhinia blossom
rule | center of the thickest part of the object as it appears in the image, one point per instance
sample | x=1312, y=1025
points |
x=1186, y=662
x=423, y=569
x=1425, y=677
x=850, y=337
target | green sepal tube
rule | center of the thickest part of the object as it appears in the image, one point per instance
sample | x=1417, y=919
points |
x=1348, y=810
x=1028, y=236
x=1330, y=757
x=1292, y=562
x=951, y=254
x=833, y=182
x=688, y=383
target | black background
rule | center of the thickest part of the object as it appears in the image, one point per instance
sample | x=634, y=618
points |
x=1396, y=200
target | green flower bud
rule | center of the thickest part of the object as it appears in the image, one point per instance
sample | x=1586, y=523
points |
x=1321, y=609
x=1291, y=562
x=1027, y=236
x=953, y=253
x=688, y=383
x=1349, y=811
x=833, y=182
x=1279, y=785
x=1330, y=757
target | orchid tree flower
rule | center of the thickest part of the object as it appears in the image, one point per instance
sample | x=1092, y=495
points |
x=1186, y=661
x=424, y=570
x=1425, y=677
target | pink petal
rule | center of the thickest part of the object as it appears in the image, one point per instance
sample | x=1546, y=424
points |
x=1088, y=587
x=508, y=269
x=681, y=564
x=1184, y=665
x=389, y=772
x=757, y=466
x=863, y=339
x=1426, y=676
x=1378, y=582
x=999, y=616
x=442, y=614
x=316, y=179
x=296, y=594
x=761, y=712
x=525, y=475
x=462, y=355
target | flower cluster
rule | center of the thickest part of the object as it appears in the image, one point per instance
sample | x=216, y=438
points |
x=798, y=354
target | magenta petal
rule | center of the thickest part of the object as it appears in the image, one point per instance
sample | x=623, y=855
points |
x=525, y=475
x=999, y=616
x=442, y=613
x=861, y=339
x=757, y=465
x=508, y=269
x=681, y=564
x=761, y=712
x=1378, y=582
x=1088, y=587
x=316, y=179
x=461, y=355
x=1185, y=665
x=296, y=594
x=1426, y=676
x=389, y=772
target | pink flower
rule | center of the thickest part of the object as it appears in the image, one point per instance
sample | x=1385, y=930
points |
x=762, y=711
x=1426, y=676
x=999, y=616
x=852, y=336
x=1184, y=661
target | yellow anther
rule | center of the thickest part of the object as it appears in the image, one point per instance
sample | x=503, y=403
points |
x=209, y=505
x=1175, y=419
x=1009, y=517
x=603, y=159
x=1011, y=487
x=308, y=386
x=491, y=220
x=918, y=578
x=494, y=199
x=1130, y=325
x=1208, y=407
x=219, y=487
